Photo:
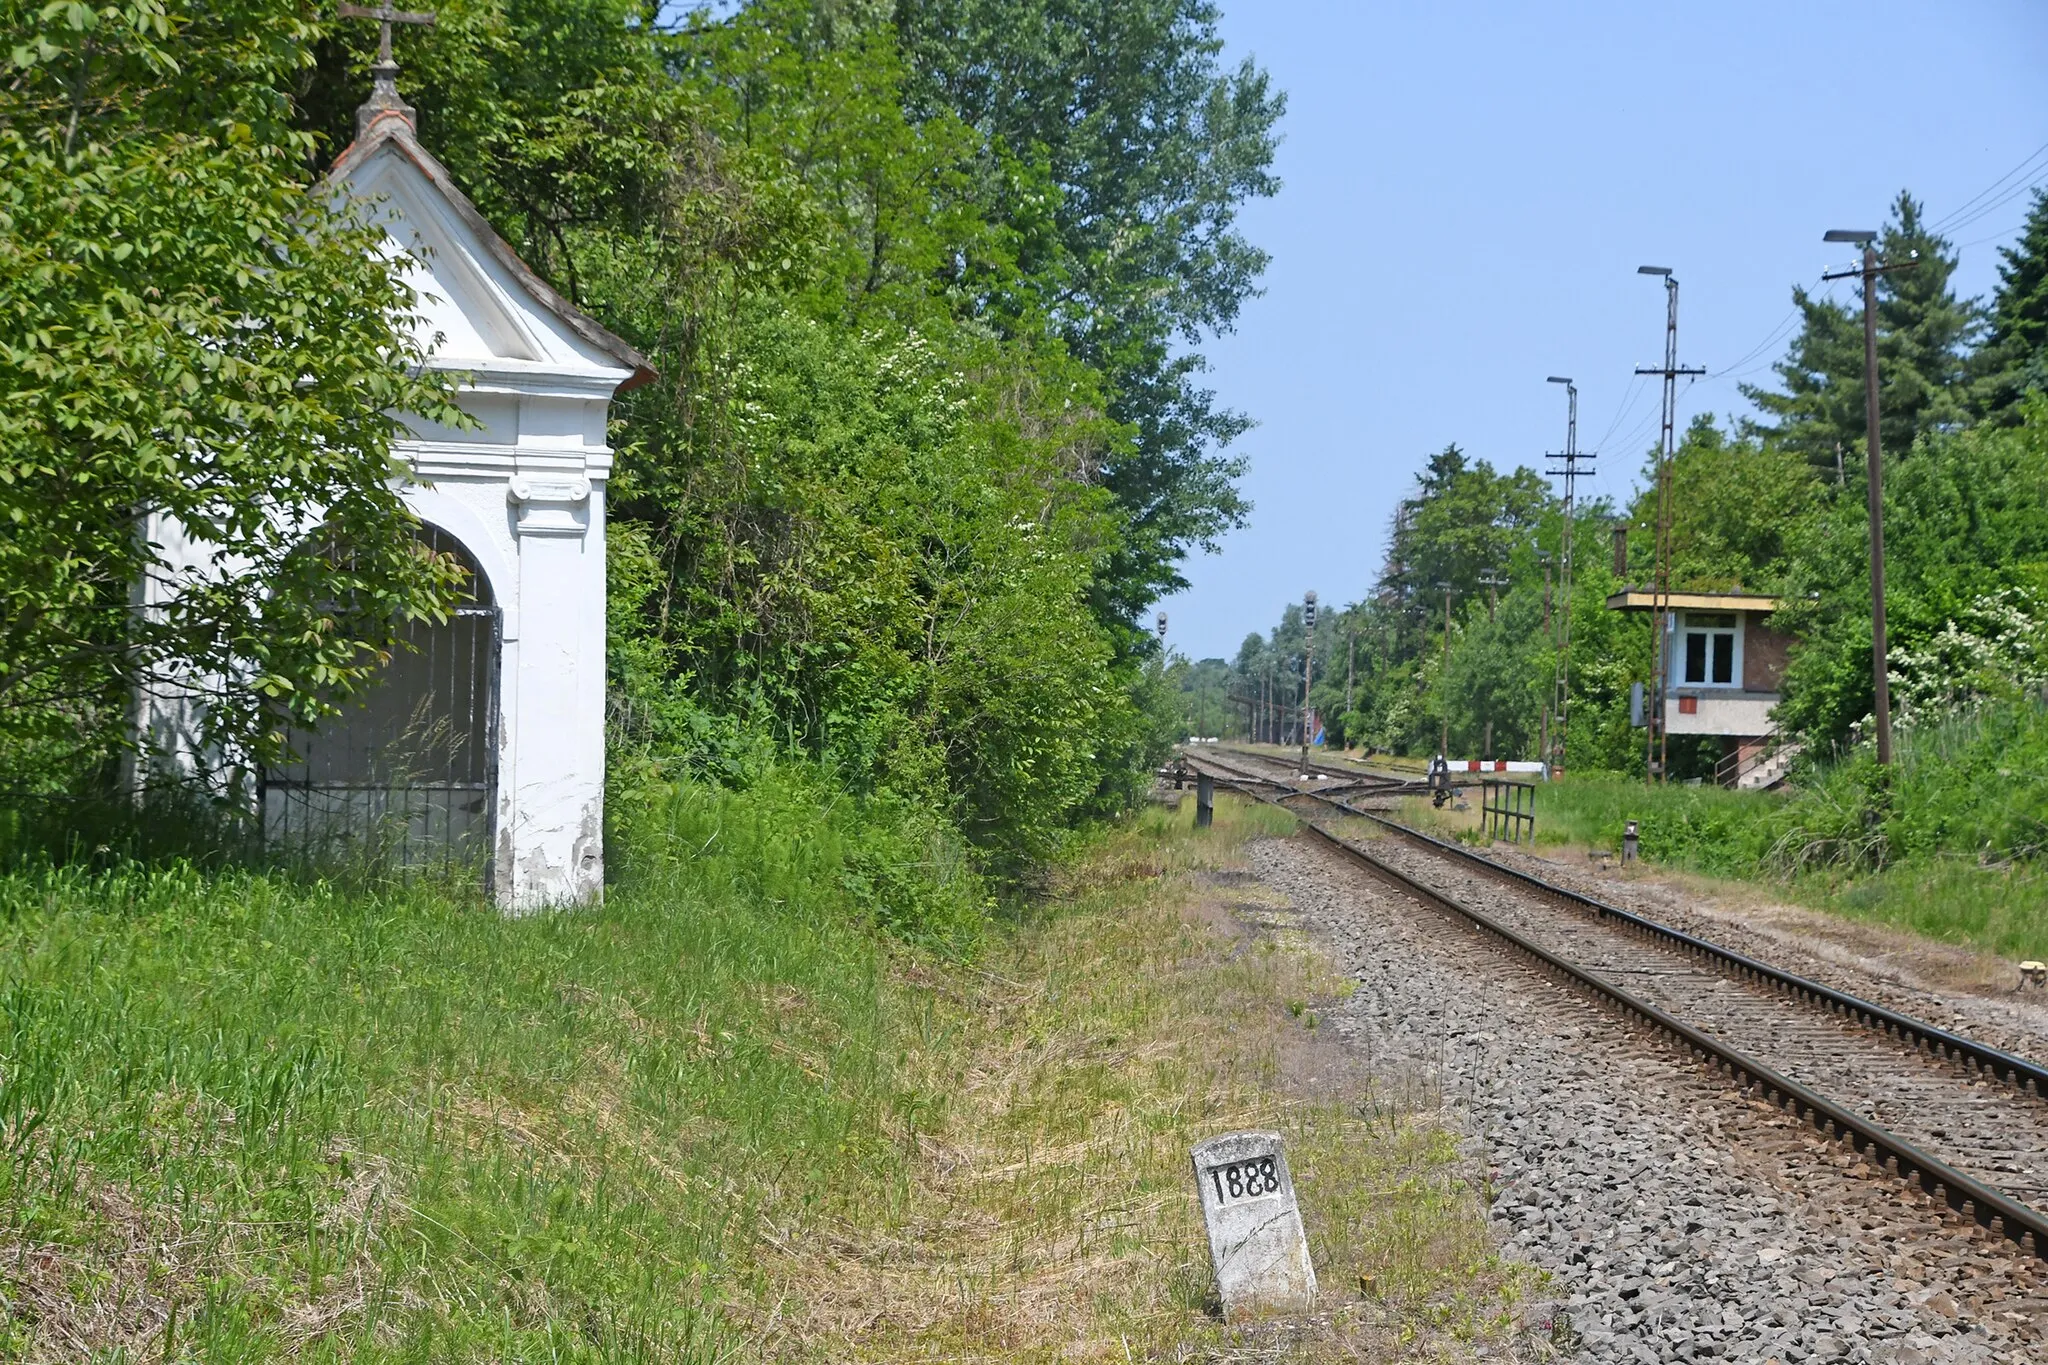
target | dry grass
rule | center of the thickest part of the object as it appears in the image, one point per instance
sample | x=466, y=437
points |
x=1050, y=1215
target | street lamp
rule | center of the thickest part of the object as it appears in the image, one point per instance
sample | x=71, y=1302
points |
x=1881, y=711
x=1656, y=760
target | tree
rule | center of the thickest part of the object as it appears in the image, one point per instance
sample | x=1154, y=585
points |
x=1151, y=148
x=1735, y=502
x=1925, y=332
x=1820, y=412
x=191, y=333
x=865, y=517
x=1924, y=338
x=1966, y=520
x=1464, y=522
x=2015, y=354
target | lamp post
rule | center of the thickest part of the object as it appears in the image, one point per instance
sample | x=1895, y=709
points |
x=1562, y=682
x=1879, y=665
x=1657, y=759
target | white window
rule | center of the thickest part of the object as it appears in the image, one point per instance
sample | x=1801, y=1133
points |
x=1710, y=650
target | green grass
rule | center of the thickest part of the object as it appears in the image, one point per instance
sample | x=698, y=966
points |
x=1703, y=828
x=240, y=1112
x=1948, y=845
x=1053, y=1219
x=727, y=1114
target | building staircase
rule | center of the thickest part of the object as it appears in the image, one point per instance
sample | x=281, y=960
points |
x=1759, y=768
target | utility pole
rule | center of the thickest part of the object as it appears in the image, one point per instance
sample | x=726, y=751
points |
x=1658, y=756
x=1272, y=710
x=1350, y=665
x=1494, y=582
x=1444, y=680
x=1561, y=685
x=1543, y=754
x=1880, y=664
x=1266, y=705
x=1308, y=667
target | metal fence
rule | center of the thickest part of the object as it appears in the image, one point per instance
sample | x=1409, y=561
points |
x=1508, y=810
x=407, y=772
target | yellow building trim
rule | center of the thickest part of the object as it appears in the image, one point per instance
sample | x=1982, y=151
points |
x=1635, y=600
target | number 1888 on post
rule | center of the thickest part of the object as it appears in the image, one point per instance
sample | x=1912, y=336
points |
x=1244, y=1179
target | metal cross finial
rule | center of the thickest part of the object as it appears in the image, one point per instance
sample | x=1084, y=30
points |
x=384, y=98
x=385, y=17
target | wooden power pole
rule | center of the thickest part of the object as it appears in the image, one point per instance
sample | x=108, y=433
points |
x=1880, y=664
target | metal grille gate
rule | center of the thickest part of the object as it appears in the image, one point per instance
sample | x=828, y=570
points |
x=407, y=772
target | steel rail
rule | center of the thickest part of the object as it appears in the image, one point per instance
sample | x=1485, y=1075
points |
x=1388, y=780
x=2017, y=1071
x=1964, y=1193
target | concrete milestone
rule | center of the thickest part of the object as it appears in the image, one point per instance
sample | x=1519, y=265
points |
x=1255, y=1234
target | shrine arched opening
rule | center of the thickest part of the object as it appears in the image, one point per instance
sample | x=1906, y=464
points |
x=407, y=771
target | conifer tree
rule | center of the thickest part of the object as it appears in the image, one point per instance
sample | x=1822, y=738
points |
x=1925, y=335
x=2016, y=351
x=1820, y=411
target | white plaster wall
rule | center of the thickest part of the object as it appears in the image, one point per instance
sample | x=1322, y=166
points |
x=526, y=496
x=524, y=492
x=1740, y=714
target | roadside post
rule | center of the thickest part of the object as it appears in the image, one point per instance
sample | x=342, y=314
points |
x=1255, y=1237
x=1205, y=800
x=1628, y=843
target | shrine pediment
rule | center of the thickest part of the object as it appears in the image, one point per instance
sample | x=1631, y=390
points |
x=484, y=310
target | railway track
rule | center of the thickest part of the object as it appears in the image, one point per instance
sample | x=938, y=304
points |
x=1965, y=1121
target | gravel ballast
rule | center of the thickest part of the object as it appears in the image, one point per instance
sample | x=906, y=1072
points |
x=1679, y=1221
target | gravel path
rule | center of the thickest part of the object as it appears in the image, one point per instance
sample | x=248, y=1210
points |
x=1680, y=1222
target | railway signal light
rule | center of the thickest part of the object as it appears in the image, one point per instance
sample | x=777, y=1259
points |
x=1308, y=664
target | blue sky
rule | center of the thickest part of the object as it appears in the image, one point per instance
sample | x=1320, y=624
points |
x=1470, y=188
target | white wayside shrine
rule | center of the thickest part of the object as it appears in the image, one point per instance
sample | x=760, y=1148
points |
x=522, y=497
x=481, y=745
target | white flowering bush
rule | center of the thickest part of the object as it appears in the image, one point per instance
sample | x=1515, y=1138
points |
x=1996, y=648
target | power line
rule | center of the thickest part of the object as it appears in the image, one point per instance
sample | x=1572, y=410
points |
x=1949, y=222
x=1996, y=236
x=1783, y=326
x=1987, y=210
x=1628, y=402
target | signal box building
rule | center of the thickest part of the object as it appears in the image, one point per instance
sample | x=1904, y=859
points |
x=1725, y=668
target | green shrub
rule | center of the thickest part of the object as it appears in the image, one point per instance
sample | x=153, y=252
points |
x=1948, y=843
